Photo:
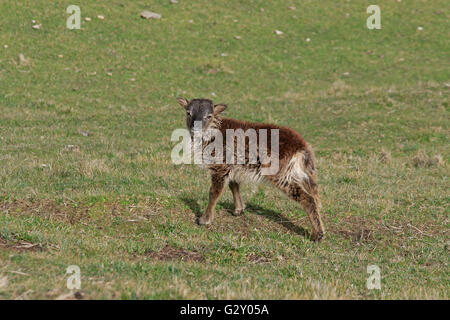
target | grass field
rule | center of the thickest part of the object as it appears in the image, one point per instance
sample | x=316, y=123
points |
x=86, y=176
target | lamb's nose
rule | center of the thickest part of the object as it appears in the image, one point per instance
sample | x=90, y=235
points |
x=196, y=126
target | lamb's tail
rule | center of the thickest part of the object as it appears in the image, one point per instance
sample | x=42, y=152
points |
x=301, y=171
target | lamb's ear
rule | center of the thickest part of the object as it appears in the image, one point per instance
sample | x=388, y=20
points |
x=218, y=108
x=183, y=102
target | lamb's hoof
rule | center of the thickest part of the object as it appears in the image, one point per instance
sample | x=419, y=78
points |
x=238, y=212
x=316, y=237
x=203, y=221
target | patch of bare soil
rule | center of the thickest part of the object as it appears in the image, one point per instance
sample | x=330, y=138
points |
x=171, y=253
x=355, y=229
x=361, y=230
x=21, y=245
x=45, y=208
x=361, y=235
x=77, y=213
x=71, y=296
x=255, y=259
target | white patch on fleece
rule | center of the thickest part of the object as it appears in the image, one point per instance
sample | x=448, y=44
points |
x=294, y=172
x=241, y=174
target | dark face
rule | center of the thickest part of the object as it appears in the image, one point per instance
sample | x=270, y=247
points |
x=200, y=112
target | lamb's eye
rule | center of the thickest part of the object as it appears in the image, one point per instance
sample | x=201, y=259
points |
x=209, y=116
x=188, y=113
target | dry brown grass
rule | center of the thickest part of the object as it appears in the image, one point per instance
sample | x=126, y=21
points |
x=422, y=159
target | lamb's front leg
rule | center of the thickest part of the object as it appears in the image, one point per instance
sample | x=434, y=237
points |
x=217, y=186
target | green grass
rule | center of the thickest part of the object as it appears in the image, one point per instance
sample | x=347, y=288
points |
x=373, y=104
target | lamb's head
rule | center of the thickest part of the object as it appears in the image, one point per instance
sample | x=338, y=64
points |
x=201, y=114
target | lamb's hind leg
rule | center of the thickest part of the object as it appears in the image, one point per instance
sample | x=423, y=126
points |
x=306, y=194
x=239, y=205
